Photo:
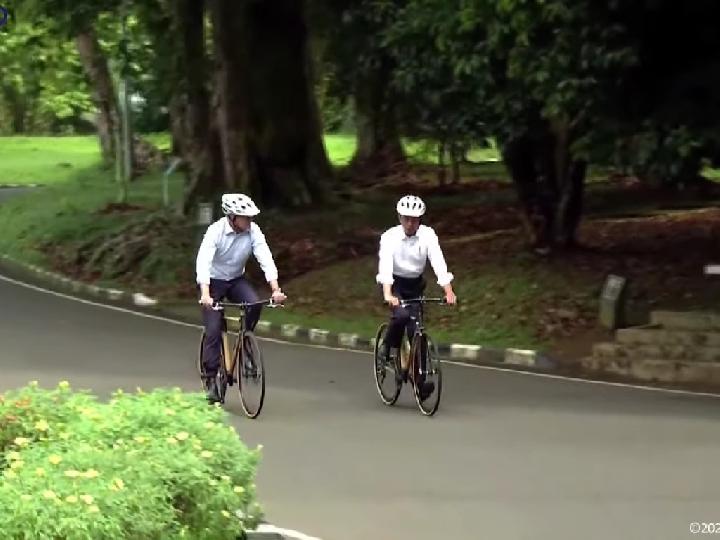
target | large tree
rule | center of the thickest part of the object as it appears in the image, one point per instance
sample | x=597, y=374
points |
x=540, y=71
x=352, y=32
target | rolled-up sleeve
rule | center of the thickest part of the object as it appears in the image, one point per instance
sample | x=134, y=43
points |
x=205, y=256
x=385, y=260
x=263, y=255
x=437, y=260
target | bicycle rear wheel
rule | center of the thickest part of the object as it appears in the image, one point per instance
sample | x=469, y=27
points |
x=250, y=374
x=426, y=369
x=386, y=380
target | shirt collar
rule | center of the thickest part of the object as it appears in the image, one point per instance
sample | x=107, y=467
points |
x=228, y=230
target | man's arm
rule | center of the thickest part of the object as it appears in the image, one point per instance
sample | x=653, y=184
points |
x=203, y=263
x=439, y=266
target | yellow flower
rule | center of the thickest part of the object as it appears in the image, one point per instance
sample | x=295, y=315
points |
x=172, y=440
x=16, y=464
x=91, y=473
x=225, y=477
x=21, y=441
x=94, y=509
x=117, y=484
x=71, y=499
x=140, y=391
x=54, y=459
x=169, y=412
x=239, y=489
x=65, y=436
x=49, y=494
x=206, y=454
x=26, y=497
x=33, y=384
x=209, y=425
x=40, y=471
x=87, y=499
x=72, y=473
x=212, y=482
x=140, y=439
x=9, y=473
x=182, y=436
x=225, y=513
x=197, y=446
x=260, y=447
x=64, y=385
x=13, y=455
x=42, y=425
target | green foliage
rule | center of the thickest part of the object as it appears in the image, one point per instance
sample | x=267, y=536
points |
x=145, y=465
x=43, y=88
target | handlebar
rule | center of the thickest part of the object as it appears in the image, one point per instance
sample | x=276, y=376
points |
x=423, y=300
x=218, y=306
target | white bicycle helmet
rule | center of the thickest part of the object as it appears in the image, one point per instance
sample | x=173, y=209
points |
x=410, y=205
x=237, y=204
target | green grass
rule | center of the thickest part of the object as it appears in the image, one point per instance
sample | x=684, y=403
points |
x=501, y=299
x=66, y=212
x=45, y=160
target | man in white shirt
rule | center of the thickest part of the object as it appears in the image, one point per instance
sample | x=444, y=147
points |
x=220, y=268
x=403, y=255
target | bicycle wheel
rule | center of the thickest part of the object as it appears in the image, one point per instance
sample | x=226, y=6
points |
x=250, y=374
x=386, y=380
x=200, y=366
x=426, y=369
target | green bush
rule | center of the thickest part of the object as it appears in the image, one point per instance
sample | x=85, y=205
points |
x=143, y=466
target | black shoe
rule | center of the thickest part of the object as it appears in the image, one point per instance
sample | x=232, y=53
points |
x=426, y=389
x=213, y=394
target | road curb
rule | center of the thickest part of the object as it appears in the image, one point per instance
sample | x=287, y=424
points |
x=292, y=333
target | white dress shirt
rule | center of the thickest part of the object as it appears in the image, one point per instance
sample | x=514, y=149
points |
x=406, y=256
x=223, y=253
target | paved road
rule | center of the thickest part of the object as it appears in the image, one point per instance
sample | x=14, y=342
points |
x=508, y=456
x=6, y=193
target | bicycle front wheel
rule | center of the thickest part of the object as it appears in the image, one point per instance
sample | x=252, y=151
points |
x=250, y=374
x=427, y=374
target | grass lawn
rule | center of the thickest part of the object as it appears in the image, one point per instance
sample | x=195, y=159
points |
x=509, y=298
x=46, y=160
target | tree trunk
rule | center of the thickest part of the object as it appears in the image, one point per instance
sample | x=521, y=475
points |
x=550, y=185
x=103, y=92
x=202, y=152
x=18, y=109
x=457, y=155
x=286, y=154
x=378, y=141
x=231, y=66
x=442, y=172
x=178, y=111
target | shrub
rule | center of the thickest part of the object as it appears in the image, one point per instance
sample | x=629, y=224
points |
x=143, y=466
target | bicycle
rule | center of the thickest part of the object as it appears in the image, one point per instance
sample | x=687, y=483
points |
x=420, y=352
x=246, y=358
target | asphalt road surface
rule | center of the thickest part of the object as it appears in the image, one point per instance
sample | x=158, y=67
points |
x=508, y=456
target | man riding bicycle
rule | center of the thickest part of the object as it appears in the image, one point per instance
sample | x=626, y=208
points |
x=220, y=267
x=403, y=255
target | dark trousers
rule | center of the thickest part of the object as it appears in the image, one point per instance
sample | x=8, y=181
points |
x=404, y=288
x=236, y=290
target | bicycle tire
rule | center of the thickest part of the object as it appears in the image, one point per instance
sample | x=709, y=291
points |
x=422, y=344
x=199, y=365
x=246, y=378
x=381, y=370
